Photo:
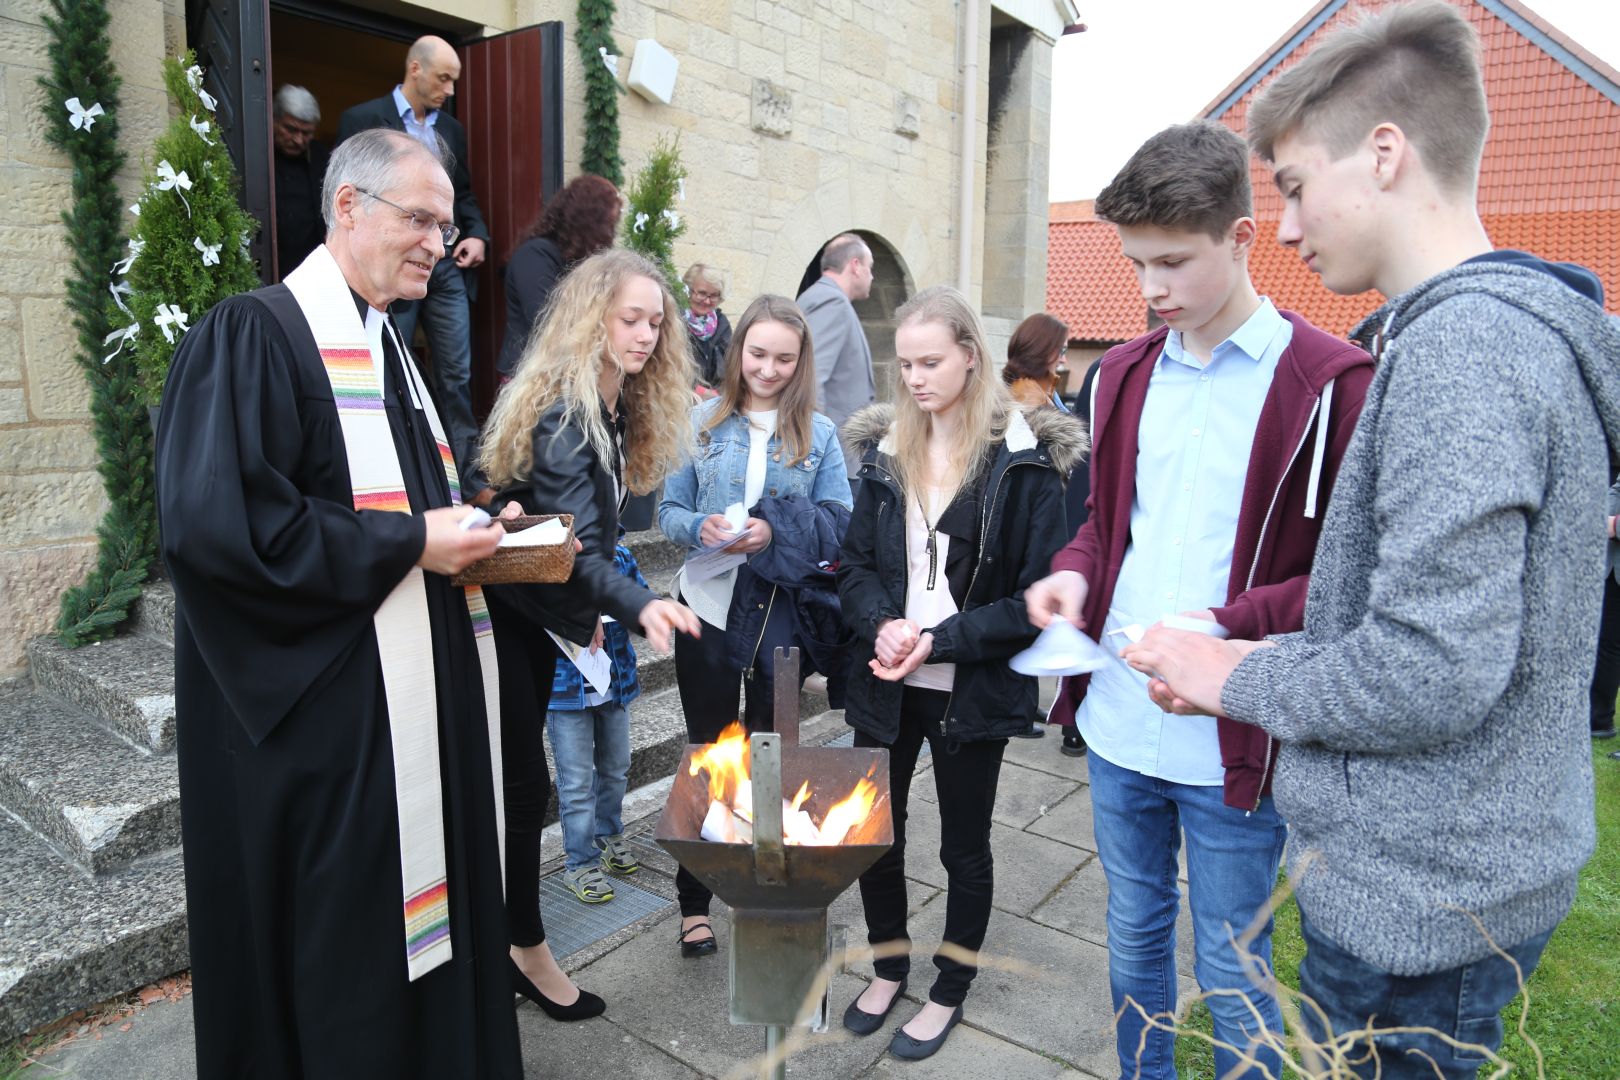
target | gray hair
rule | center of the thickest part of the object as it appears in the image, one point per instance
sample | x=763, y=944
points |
x=368, y=161
x=842, y=248
x=298, y=103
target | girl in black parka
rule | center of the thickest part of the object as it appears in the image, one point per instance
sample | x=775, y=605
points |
x=961, y=507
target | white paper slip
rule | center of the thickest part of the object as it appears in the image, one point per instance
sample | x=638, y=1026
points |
x=1133, y=633
x=547, y=532
x=597, y=667
x=1060, y=650
x=711, y=562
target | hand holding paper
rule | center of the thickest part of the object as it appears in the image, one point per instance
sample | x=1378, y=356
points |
x=1060, y=649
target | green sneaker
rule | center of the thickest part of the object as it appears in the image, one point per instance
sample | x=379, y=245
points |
x=588, y=884
x=617, y=857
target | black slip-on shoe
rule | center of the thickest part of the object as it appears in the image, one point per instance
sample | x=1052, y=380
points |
x=864, y=1023
x=904, y=1046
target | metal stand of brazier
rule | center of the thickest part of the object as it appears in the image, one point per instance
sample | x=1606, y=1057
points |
x=779, y=893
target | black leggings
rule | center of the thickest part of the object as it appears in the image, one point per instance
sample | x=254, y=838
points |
x=965, y=776
x=707, y=681
x=527, y=660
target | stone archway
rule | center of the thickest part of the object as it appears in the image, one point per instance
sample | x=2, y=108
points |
x=891, y=287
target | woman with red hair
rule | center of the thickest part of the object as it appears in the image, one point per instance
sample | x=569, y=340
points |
x=580, y=220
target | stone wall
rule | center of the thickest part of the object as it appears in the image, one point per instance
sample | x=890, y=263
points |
x=50, y=495
x=799, y=119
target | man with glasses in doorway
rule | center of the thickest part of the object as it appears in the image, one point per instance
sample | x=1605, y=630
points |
x=416, y=107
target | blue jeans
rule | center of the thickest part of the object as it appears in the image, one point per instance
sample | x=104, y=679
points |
x=1232, y=860
x=1463, y=1002
x=447, y=323
x=591, y=748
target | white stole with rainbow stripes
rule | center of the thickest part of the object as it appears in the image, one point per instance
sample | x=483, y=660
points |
x=352, y=355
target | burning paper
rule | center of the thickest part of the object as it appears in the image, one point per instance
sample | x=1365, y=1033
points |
x=730, y=818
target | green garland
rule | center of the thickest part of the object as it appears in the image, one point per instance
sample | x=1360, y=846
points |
x=594, y=33
x=81, y=68
x=651, y=222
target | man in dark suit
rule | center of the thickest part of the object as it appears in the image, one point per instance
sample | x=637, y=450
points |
x=414, y=107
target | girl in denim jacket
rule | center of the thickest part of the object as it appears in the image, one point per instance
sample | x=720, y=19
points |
x=760, y=437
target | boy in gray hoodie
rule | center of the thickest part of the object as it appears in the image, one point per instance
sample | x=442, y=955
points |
x=1435, y=770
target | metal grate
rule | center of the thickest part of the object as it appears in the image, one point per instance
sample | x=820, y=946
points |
x=848, y=739
x=572, y=925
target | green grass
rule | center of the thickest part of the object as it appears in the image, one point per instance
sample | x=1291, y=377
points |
x=1574, y=992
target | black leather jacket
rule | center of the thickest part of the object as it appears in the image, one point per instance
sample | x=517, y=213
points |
x=568, y=478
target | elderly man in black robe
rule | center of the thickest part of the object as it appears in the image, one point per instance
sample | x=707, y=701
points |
x=334, y=691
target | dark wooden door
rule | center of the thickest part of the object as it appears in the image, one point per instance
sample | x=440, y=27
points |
x=232, y=40
x=510, y=99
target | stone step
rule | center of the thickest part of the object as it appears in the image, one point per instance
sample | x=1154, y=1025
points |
x=126, y=683
x=101, y=802
x=657, y=556
x=154, y=611
x=67, y=941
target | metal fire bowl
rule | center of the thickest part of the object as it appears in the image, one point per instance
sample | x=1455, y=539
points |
x=779, y=898
x=815, y=875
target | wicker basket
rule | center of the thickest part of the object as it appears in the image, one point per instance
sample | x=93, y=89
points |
x=524, y=565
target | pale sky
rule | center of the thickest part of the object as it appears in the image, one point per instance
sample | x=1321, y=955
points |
x=1140, y=67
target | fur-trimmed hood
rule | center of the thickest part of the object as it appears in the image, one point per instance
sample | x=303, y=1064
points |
x=1064, y=436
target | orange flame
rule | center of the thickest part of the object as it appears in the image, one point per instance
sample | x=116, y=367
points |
x=849, y=812
x=726, y=762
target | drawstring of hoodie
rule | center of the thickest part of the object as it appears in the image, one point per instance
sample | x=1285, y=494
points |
x=1324, y=409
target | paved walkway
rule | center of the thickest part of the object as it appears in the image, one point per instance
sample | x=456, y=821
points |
x=667, y=1016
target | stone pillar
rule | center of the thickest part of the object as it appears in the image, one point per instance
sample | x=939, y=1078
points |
x=1015, y=196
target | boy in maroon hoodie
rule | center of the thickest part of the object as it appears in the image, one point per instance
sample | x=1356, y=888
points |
x=1215, y=442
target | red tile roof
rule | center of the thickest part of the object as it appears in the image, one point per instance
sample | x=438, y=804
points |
x=1549, y=182
x=1089, y=284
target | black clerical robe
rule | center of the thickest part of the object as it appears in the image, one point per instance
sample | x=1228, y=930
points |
x=288, y=810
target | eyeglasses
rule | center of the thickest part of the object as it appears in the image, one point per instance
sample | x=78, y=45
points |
x=704, y=294
x=419, y=221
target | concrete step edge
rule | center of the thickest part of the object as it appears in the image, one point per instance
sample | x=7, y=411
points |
x=97, y=799
x=126, y=683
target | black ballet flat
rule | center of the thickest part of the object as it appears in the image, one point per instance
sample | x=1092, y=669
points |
x=691, y=949
x=862, y=1022
x=587, y=1006
x=904, y=1046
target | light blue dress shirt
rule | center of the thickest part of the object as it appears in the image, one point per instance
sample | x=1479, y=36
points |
x=1192, y=458
x=420, y=130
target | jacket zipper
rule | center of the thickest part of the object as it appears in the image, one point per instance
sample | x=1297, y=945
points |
x=1254, y=567
x=973, y=578
x=754, y=659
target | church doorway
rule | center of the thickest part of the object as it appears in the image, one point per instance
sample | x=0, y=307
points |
x=509, y=98
x=891, y=287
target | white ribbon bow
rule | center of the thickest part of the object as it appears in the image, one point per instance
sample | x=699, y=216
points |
x=201, y=128
x=123, y=337
x=136, y=246
x=680, y=189
x=170, y=315
x=673, y=218
x=81, y=117
x=194, y=78
x=119, y=291
x=135, y=208
x=210, y=252
x=609, y=61
x=174, y=181
x=641, y=221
